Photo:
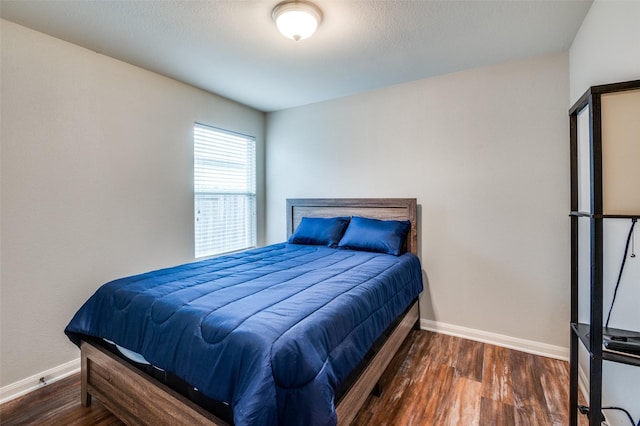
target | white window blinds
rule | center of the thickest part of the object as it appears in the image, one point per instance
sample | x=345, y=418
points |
x=225, y=191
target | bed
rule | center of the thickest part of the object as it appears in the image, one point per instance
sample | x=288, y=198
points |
x=307, y=348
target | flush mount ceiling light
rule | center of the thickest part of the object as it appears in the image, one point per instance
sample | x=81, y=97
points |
x=297, y=20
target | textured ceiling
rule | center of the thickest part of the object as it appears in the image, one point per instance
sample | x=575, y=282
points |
x=232, y=47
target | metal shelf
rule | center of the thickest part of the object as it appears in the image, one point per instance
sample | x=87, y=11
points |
x=605, y=216
x=590, y=335
x=582, y=331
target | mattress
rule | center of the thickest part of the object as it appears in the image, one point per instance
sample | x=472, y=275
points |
x=272, y=331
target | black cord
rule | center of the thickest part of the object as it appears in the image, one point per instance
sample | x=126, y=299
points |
x=624, y=260
x=624, y=411
x=585, y=410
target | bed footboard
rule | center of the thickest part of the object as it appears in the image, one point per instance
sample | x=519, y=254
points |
x=135, y=398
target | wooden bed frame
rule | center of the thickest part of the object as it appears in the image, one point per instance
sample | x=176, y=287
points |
x=139, y=399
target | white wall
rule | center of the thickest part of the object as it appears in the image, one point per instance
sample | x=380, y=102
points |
x=607, y=50
x=486, y=154
x=97, y=175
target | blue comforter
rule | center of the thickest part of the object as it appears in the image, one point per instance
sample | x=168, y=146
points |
x=271, y=331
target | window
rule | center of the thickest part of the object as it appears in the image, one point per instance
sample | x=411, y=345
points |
x=225, y=191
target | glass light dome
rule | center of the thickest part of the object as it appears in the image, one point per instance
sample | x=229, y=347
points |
x=297, y=20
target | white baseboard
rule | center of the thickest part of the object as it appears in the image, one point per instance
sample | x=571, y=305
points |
x=24, y=386
x=530, y=346
x=583, y=382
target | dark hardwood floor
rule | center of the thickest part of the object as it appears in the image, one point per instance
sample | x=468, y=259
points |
x=443, y=380
x=434, y=379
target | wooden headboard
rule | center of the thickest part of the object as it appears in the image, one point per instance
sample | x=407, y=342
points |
x=376, y=208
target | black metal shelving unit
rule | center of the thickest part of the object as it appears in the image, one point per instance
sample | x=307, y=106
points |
x=590, y=335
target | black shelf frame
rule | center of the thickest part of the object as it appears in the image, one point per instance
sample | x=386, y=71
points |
x=590, y=335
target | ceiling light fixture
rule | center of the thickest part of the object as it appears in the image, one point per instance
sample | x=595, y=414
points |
x=297, y=20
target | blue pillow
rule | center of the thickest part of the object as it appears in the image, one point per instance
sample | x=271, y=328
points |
x=383, y=236
x=319, y=231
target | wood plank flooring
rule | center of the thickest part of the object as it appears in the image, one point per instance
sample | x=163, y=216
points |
x=447, y=381
x=434, y=379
